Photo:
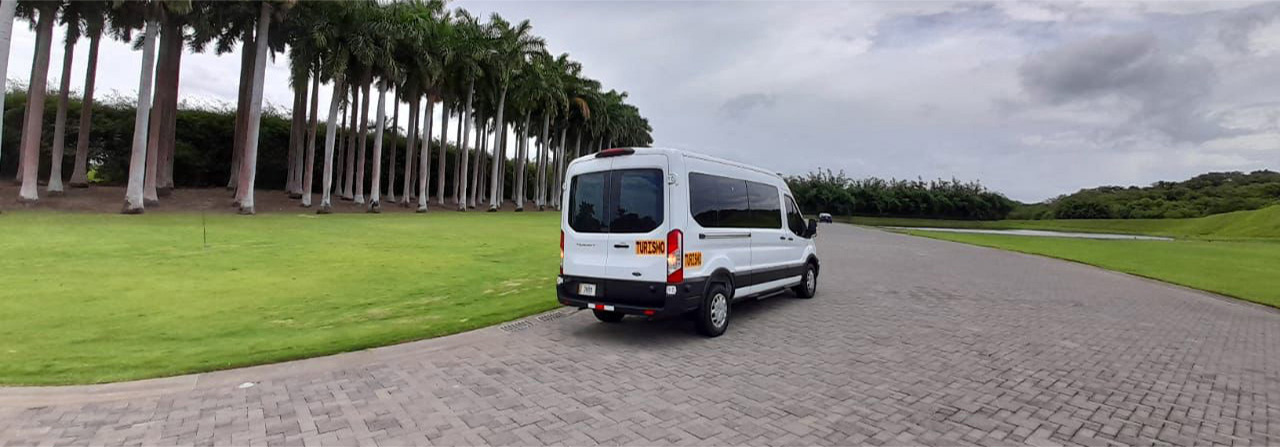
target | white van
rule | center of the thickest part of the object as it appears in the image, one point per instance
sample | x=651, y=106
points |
x=659, y=232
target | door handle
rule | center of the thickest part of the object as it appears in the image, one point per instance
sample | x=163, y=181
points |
x=782, y=237
x=621, y=246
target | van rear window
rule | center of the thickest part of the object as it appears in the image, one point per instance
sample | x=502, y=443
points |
x=619, y=201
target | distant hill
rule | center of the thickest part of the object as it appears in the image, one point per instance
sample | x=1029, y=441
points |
x=1202, y=195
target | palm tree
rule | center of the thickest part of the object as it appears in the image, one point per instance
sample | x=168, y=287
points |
x=29, y=159
x=137, y=161
x=469, y=53
x=94, y=25
x=8, y=9
x=308, y=178
x=375, y=188
x=514, y=46
x=352, y=37
x=71, y=18
x=248, y=170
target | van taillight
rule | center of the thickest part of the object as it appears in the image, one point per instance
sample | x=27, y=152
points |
x=675, y=257
x=561, y=252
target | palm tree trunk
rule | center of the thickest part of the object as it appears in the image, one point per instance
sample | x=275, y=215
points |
x=330, y=137
x=424, y=162
x=557, y=187
x=543, y=147
x=395, y=144
x=30, y=159
x=375, y=186
x=475, y=165
x=415, y=115
x=466, y=135
x=237, y=145
x=522, y=157
x=310, y=163
x=499, y=143
x=169, y=118
x=457, y=161
x=499, y=197
x=296, y=118
x=60, y=121
x=349, y=173
x=577, y=143
x=138, y=158
x=80, y=173
x=8, y=8
x=249, y=170
x=342, y=146
x=444, y=145
x=159, y=106
x=364, y=132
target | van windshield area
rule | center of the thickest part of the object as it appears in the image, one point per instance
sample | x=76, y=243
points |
x=618, y=201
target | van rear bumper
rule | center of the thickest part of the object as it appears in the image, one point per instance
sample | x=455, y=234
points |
x=632, y=297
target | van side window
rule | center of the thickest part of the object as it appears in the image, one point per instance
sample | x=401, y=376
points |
x=795, y=220
x=718, y=202
x=620, y=201
x=766, y=210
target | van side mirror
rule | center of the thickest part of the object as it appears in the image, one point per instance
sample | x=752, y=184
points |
x=812, y=230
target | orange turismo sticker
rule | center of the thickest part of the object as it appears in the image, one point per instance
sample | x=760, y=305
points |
x=651, y=247
x=693, y=259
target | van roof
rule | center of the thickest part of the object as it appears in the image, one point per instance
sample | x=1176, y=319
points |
x=683, y=153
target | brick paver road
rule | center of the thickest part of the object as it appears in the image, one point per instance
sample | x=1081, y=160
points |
x=910, y=341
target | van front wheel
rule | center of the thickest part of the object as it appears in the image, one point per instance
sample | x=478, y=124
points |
x=713, y=316
x=608, y=316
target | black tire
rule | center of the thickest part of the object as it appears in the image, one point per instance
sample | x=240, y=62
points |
x=608, y=316
x=808, y=283
x=712, y=317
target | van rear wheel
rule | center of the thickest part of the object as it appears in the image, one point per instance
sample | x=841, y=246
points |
x=608, y=316
x=808, y=283
x=712, y=317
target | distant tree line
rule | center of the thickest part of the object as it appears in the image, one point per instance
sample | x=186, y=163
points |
x=201, y=149
x=825, y=191
x=1202, y=195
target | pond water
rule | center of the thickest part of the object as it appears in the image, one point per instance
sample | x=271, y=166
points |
x=1042, y=233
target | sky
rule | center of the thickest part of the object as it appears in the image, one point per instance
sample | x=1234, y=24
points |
x=1033, y=99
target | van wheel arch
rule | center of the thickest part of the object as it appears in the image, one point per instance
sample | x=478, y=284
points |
x=720, y=276
x=813, y=260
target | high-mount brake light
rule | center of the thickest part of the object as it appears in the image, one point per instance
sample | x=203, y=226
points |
x=615, y=152
x=675, y=257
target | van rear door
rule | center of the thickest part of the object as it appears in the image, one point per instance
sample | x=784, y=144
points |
x=639, y=216
x=586, y=234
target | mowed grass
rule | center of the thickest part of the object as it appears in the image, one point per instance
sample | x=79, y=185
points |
x=1248, y=270
x=1241, y=225
x=88, y=298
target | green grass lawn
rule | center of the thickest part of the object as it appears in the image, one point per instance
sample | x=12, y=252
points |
x=1242, y=269
x=1241, y=225
x=1235, y=254
x=88, y=298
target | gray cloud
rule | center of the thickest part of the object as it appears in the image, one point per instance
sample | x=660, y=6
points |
x=1168, y=89
x=1238, y=26
x=738, y=107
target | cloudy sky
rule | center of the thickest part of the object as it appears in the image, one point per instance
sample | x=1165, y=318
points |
x=1033, y=99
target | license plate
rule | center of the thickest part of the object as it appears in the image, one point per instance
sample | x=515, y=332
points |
x=587, y=289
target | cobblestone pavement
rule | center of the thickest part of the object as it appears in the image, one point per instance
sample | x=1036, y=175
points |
x=910, y=341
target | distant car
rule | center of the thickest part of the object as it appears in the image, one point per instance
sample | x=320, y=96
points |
x=824, y=217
